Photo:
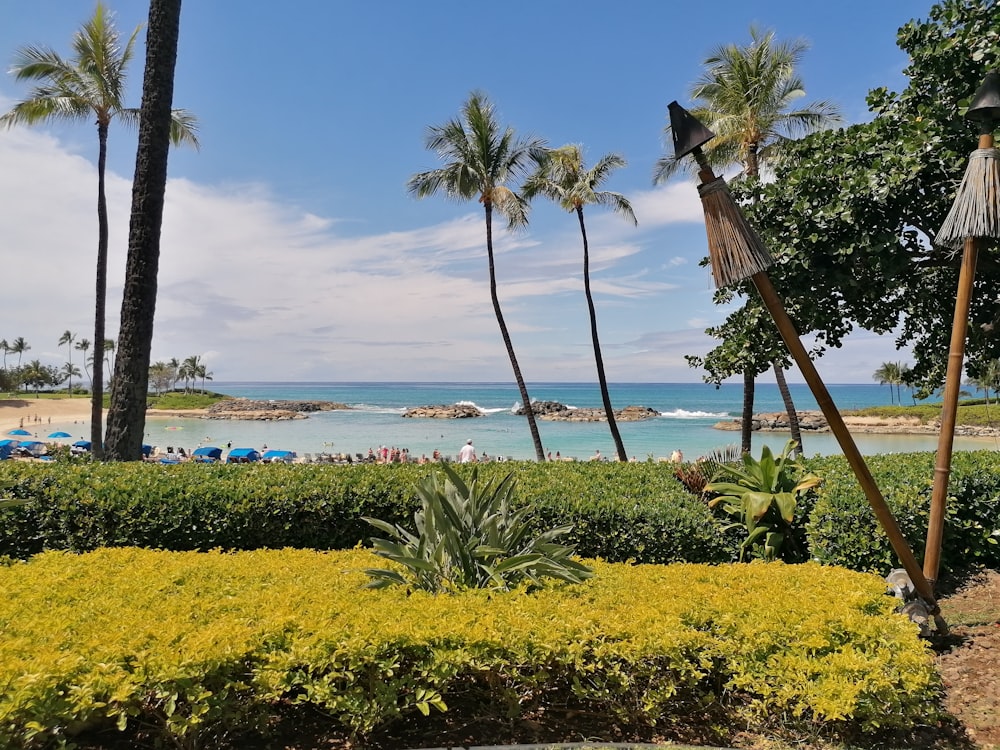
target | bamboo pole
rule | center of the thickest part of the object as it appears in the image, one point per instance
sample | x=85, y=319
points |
x=953, y=381
x=949, y=412
x=857, y=462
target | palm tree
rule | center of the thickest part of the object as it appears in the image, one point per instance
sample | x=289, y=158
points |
x=480, y=158
x=127, y=414
x=988, y=379
x=6, y=348
x=82, y=346
x=19, y=346
x=746, y=96
x=189, y=370
x=69, y=370
x=91, y=84
x=888, y=373
x=68, y=338
x=561, y=177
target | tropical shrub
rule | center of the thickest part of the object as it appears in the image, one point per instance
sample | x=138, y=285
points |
x=471, y=536
x=843, y=530
x=763, y=495
x=193, y=649
x=618, y=511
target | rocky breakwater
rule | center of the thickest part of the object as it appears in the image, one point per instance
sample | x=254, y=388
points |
x=814, y=421
x=809, y=421
x=444, y=411
x=553, y=411
x=249, y=409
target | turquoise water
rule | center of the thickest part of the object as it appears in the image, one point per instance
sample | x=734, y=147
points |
x=688, y=412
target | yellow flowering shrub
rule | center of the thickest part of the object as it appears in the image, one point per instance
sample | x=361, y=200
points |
x=195, y=643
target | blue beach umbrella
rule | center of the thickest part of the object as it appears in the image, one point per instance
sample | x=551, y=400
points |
x=60, y=435
x=18, y=432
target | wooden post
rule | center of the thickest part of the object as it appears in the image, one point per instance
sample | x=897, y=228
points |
x=843, y=435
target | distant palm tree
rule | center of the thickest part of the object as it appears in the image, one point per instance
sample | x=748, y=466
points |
x=6, y=348
x=481, y=157
x=90, y=86
x=69, y=371
x=988, y=379
x=82, y=346
x=746, y=96
x=891, y=374
x=19, y=346
x=68, y=338
x=561, y=177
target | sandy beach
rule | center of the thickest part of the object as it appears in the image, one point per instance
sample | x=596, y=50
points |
x=36, y=414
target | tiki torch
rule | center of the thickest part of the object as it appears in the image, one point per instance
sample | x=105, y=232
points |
x=736, y=253
x=974, y=216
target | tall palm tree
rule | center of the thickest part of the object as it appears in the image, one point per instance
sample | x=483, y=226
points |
x=747, y=96
x=68, y=338
x=127, y=414
x=19, y=346
x=480, y=158
x=82, y=346
x=562, y=177
x=5, y=347
x=90, y=84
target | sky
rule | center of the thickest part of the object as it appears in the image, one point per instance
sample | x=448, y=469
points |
x=291, y=249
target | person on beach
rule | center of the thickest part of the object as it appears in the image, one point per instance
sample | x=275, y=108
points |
x=596, y=456
x=677, y=457
x=467, y=454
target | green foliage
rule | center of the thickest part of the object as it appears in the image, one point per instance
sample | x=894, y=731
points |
x=619, y=511
x=763, y=496
x=843, y=530
x=471, y=536
x=851, y=213
x=181, y=400
x=194, y=649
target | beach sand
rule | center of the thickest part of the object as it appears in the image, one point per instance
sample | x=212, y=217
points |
x=38, y=413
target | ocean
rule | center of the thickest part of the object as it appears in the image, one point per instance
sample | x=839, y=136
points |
x=687, y=411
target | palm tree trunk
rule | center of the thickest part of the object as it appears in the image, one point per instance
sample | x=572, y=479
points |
x=746, y=425
x=97, y=397
x=793, y=416
x=127, y=416
x=602, y=378
x=525, y=399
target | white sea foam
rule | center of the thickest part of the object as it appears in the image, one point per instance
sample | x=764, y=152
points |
x=686, y=414
x=484, y=410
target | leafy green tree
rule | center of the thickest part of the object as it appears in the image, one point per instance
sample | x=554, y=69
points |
x=68, y=338
x=562, y=177
x=480, y=159
x=90, y=84
x=748, y=97
x=852, y=213
x=127, y=414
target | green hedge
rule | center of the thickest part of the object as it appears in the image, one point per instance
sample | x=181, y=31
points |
x=193, y=649
x=620, y=511
x=842, y=528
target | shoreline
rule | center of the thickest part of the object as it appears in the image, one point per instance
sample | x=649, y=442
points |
x=812, y=422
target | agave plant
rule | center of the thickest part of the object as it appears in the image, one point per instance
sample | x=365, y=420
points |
x=763, y=496
x=469, y=535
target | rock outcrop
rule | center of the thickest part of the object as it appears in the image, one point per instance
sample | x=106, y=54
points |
x=814, y=421
x=250, y=409
x=553, y=411
x=444, y=411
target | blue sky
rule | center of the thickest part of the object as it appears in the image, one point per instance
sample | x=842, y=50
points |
x=291, y=249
